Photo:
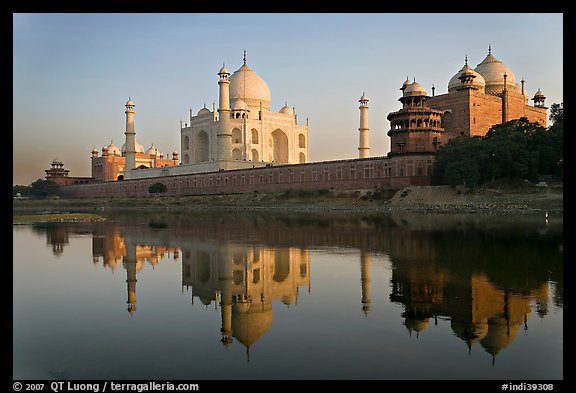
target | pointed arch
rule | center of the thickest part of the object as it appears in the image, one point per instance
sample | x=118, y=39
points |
x=201, y=147
x=279, y=146
x=236, y=136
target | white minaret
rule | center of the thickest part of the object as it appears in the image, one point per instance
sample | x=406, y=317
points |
x=130, y=153
x=224, y=134
x=363, y=146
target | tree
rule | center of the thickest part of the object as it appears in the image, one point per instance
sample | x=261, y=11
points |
x=508, y=146
x=43, y=188
x=459, y=161
x=157, y=188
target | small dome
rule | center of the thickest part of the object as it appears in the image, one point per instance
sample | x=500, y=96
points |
x=129, y=103
x=493, y=71
x=287, y=110
x=455, y=82
x=203, y=111
x=416, y=325
x=415, y=89
x=539, y=94
x=153, y=151
x=406, y=84
x=58, y=162
x=113, y=149
x=363, y=98
x=139, y=147
x=223, y=70
x=239, y=105
x=175, y=153
x=94, y=151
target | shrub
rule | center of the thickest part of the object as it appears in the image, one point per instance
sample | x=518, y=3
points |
x=157, y=188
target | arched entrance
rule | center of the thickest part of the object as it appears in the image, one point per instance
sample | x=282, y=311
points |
x=280, y=146
x=201, y=147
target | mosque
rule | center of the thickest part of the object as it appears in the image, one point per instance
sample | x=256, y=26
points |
x=244, y=147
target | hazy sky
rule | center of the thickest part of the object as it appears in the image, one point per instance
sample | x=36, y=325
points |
x=73, y=73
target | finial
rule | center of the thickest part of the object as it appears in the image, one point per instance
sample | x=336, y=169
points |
x=204, y=105
x=363, y=93
x=244, y=56
x=285, y=103
x=489, y=49
x=414, y=79
x=223, y=64
x=466, y=60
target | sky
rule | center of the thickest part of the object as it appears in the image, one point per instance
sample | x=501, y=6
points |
x=73, y=73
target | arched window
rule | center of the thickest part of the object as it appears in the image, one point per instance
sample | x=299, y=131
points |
x=302, y=158
x=186, y=159
x=255, y=155
x=236, y=154
x=254, y=136
x=419, y=123
x=186, y=143
x=236, y=136
x=301, y=141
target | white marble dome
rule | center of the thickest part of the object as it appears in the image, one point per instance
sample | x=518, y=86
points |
x=287, y=110
x=493, y=71
x=139, y=147
x=113, y=149
x=203, y=111
x=250, y=88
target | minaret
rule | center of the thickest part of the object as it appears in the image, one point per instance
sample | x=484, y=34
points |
x=224, y=134
x=365, y=279
x=130, y=153
x=225, y=283
x=130, y=263
x=505, y=101
x=363, y=146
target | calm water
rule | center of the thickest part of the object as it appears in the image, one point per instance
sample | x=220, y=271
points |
x=260, y=296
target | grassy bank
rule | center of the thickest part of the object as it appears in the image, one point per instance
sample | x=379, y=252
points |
x=501, y=197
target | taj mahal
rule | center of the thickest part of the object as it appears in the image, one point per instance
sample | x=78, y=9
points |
x=243, y=146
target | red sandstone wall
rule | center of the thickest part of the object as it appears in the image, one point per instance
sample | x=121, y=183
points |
x=370, y=173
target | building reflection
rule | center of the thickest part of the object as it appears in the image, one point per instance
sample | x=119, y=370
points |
x=479, y=310
x=485, y=284
x=244, y=280
x=110, y=248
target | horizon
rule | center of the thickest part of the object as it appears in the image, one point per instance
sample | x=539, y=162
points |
x=73, y=73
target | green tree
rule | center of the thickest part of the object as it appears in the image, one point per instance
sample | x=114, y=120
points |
x=459, y=161
x=157, y=188
x=43, y=188
x=509, y=148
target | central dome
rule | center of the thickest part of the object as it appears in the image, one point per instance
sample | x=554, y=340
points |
x=493, y=71
x=248, y=86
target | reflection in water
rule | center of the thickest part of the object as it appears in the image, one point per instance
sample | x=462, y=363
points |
x=484, y=280
x=244, y=280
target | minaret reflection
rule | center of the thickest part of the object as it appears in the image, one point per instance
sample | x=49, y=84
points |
x=246, y=279
x=365, y=280
x=111, y=248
